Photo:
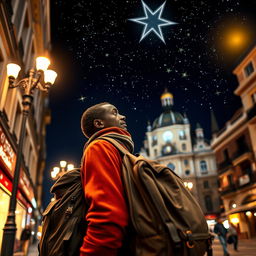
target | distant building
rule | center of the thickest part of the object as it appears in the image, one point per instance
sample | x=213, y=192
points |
x=169, y=141
x=235, y=149
x=24, y=35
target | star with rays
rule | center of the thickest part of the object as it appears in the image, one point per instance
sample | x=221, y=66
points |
x=82, y=98
x=152, y=21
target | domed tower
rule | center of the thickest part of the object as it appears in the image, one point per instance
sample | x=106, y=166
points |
x=168, y=116
x=167, y=100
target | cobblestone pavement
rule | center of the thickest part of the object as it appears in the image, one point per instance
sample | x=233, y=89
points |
x=245, y=248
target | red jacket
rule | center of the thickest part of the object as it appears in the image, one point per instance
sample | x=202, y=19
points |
x=107, y=215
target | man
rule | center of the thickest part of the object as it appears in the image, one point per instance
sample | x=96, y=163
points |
x=221, y=231
x=107, y=214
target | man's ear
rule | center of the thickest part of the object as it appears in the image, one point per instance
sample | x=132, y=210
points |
x=98, y=123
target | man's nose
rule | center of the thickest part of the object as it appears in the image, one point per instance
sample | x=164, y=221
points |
x=122, y=117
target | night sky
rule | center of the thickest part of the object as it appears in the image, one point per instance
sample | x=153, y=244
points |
x=98, y=55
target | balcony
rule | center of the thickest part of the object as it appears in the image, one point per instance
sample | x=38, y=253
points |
x=243, y=181
x=223, y=166
x=228, y=189
x=241, y=154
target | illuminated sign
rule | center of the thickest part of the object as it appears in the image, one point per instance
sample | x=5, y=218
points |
x=7, y=155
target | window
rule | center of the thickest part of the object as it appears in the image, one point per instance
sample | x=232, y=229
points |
x=167, y=150
x=187, y=172
x=184, y=146
x=203, y=167
x=208, y=203
x=206, y=184
x=249, y=69
x=155, y=152
x=186, y=162
x=171, y=166
x=225, y=154
x=182, y=135
x=154, y=140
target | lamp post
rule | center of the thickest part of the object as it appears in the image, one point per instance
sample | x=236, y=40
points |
x=29, y=84
x=58, y=171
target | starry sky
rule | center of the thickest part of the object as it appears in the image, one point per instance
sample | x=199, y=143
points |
x=98, y=55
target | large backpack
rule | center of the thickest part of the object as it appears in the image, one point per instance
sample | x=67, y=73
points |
x=165, y=216
x=63, y=224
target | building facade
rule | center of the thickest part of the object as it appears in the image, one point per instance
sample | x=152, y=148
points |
x=235, y=149
x=169, y=141
x=24, y=35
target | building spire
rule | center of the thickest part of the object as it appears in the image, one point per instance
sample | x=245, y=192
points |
x=214, y=124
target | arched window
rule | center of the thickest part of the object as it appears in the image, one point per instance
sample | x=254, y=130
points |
x=187, y=172
x=203, y=167
x=208, y=203
x=171, y=166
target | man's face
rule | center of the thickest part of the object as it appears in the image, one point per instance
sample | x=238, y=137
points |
x=112, y=118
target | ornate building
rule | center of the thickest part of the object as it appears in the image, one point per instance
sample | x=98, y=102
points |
x=169, y=141
x=235, y=149
x=24, y=35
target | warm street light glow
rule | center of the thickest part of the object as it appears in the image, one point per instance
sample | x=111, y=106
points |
x=63, y=164
x=234, y=220
x=55, y=172
x=188, y=185
x=42, y=63
x=70, y=167
x=13, y=70
x=248, y=213
x=50, y=76
x=233, y=205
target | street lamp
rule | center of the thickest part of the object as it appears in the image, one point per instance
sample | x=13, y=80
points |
x=58, y=171
x=29, y=84
x=188, y=185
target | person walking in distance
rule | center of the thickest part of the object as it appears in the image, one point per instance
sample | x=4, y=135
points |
x=221, y=231
x=232, y=234
x=107, y=214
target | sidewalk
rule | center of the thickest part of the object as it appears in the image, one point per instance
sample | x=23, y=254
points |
x=33, y=251
x=245, y=248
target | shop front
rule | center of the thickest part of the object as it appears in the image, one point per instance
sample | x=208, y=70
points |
x=25, y=195
x=244, y=218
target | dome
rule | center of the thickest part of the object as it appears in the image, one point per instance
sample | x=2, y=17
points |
x=166, y=95
x=168, y=118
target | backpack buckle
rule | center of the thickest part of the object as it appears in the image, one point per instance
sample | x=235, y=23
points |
x=189, y=243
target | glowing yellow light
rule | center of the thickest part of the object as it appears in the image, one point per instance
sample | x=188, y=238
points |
x=234, y=220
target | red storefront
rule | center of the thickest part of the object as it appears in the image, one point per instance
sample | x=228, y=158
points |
x=25, y=195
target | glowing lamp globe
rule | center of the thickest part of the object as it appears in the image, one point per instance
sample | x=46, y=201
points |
x=13, y=70
x=42, y=63
x=50, y=76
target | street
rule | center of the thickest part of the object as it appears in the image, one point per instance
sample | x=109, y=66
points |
x=245, y=248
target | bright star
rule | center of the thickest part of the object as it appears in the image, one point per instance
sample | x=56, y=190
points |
x=152, y=21
x=82, y=98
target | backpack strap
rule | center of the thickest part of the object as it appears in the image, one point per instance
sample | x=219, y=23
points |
x=115, y=143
